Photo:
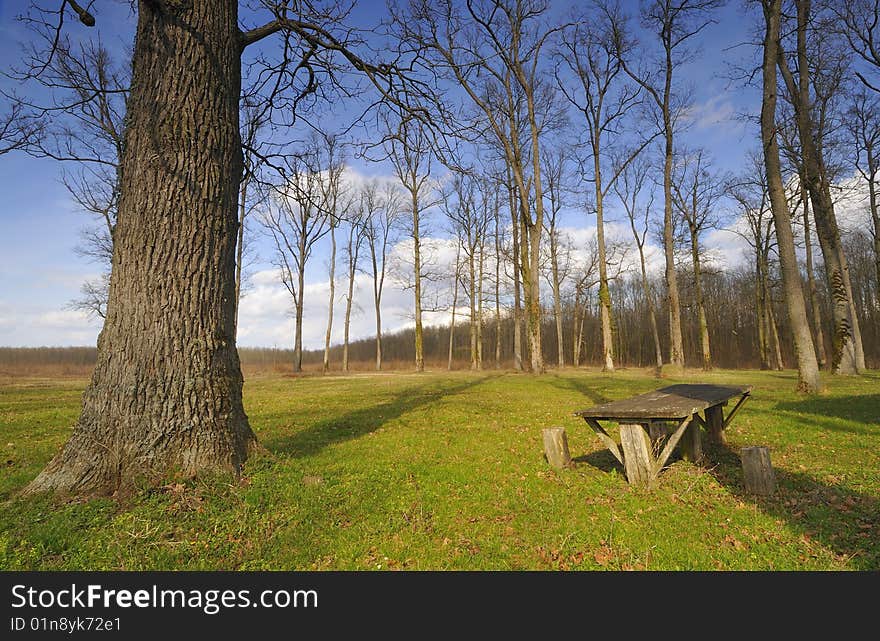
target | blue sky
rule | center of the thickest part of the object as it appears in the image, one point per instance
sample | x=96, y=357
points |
x=39, y=225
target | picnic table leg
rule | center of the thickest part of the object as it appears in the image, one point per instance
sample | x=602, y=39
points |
x=715, y=424
x=637, y=459
x=691, y=443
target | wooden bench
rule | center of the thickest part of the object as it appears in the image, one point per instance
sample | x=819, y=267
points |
x=643, y=421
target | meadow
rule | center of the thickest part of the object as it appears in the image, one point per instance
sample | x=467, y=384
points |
x=443, y=471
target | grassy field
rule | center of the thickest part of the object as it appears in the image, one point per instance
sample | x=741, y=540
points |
x=445, y=471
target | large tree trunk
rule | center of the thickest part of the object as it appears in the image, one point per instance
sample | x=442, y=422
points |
x=854, y=314
x=808, y=369
x=327, y=336
x=844, y=358
x=165, y=394
x=604, y=292
x=811, y=279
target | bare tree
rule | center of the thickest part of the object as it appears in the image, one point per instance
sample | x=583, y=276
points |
x=16, y=128
x=493, y=49
x=165, y=394
x=556, y=175
x=252, y=193
x=847, y=355
x=863, y=125
x=629, y=189
x=81, y=124
x=296, y=221
x=335, y=202
x=355, y=221
x=751, y=193
x=808, y=368
x=675, y=23
x=409, y=151
x=465, y=206
x=592, y=55
x=696, y=193
x=859, y=22
x=456, y=277
x=381, y=219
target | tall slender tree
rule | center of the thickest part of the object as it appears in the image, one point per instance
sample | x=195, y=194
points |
x=847, y=356
x=382, y=209
x=296, y=221
x=408, y=148
x=696, y=193
x=808, y=367
x=675, y=24
x=603, y=94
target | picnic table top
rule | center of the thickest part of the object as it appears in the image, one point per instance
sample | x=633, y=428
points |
x=672, y=402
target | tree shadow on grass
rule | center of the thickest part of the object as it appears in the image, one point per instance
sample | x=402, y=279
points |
x=365, y=420
x=581, y=387
x=842, y=520
x=862, y=408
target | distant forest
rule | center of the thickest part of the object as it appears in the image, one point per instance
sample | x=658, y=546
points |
x=732, y=318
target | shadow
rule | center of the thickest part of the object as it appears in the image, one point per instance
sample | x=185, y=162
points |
x=842, y=520
x=582, y=388
x=364, y=420
x=600, y=459
x=864, y=408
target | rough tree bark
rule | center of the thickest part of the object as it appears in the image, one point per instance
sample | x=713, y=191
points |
x=844, y=357
x=811, y=279
x=165, y=395
x=808, y=368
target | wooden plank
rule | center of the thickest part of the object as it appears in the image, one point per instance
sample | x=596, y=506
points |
x=636, y=456
x=603, y=435
x=735, y=409
x=556, y=447
x=671, y=443
x=673, y=402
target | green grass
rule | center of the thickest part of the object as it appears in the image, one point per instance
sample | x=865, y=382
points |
x=445, y=471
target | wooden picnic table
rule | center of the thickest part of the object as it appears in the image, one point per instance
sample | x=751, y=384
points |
x=644, y=420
